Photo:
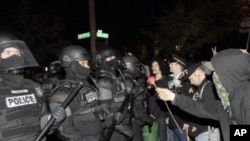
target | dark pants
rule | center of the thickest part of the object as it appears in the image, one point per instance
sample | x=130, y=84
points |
x=137, y=131
x=179, y=136
x=162, y=129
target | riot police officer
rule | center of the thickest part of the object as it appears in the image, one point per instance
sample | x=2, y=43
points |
x=112, y=93
x=135, y=84
x=54, y=73
x=132, y=72
x=83, y=121
x=21, y=98
x=54, y=70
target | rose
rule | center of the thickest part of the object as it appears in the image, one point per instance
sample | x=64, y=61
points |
x=151, y=81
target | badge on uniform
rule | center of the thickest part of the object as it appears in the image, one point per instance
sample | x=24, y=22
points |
x=91, y=96
x=191, y=90
x=39, y=91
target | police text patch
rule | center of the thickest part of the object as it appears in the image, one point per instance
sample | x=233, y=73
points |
x=21, y=100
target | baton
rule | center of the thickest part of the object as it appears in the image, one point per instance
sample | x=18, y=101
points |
x=53, y=119
x=111, y=129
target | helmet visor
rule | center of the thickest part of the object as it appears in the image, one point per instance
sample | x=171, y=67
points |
x=15, y=55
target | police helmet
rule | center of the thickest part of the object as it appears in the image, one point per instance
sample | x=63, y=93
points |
x=132, y=65
x=131, y=62
x=73, y=53
x=103, y=54
x=14, y=53
x=54, y=67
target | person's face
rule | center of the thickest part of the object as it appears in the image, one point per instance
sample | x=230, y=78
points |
x=84, y=63
x=107, y=59
x=173, y=66
x=155, y=68
x=8, y=52
x=194, y=78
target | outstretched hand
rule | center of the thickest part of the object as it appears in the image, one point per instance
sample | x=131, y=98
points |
x=214, y=50
x=165, y=94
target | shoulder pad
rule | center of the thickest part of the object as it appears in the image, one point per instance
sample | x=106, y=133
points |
x=67, y=83
x=106, y=83
x=60, y=95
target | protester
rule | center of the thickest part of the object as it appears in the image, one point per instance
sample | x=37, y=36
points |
x=157, y=107
x=179, y=122
x=231, y=78
x=200, y=128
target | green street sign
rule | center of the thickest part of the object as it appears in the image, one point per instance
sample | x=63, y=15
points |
x=83, y=35
x=99, y=34
x=102, y=35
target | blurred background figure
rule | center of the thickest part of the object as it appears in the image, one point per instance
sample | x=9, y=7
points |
x=136, y=86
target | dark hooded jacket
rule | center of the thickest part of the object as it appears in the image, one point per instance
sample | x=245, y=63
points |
x=233, y=69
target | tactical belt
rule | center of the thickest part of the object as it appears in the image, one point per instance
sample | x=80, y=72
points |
x=91, y=109
x=87, y=110
x=19, y=131
x=119, y=98
x=18, y=115
x=115, y=99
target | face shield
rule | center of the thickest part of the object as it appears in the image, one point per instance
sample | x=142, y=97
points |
x=15, y=55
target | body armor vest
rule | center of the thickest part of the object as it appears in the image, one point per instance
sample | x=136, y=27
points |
x=86, y=96
x=20, y=111
x=82, y=111
x=49, y=85
x=111, y=89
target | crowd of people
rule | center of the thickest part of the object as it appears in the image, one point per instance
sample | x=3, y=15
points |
x=107, y=98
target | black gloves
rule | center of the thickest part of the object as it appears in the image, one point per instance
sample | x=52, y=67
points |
x=59, y=114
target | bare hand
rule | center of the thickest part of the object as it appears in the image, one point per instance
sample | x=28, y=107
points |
x=167, y=120
x=214, y=50
x=165, y=94
x=185, y=126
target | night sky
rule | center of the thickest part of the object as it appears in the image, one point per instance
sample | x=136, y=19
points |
x=121, y=19
x=111, y=15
